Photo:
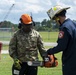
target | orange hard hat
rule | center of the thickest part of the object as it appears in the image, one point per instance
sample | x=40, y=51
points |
x=26, y=19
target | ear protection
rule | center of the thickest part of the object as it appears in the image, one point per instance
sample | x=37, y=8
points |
x=19, y=25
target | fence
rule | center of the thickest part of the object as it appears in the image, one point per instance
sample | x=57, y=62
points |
x=5, y=33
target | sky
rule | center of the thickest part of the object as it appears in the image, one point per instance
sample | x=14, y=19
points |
x=11, y=10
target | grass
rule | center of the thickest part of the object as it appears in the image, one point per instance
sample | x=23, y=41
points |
x=5, y=65
x=6, y=62
x=4, y=35
x=49, y=36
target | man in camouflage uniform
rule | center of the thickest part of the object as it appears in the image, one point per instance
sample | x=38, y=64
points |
x=24, y=46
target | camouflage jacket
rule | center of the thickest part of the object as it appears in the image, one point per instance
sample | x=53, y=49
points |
x=25, y=46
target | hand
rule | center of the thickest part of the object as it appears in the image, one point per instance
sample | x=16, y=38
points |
x=17, y=63
x=49, y=51
x=55, y=63
x=52, y=62
x=47, y=64
x=48, y=61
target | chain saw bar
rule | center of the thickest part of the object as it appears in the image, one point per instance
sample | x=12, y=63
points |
x=35, y=63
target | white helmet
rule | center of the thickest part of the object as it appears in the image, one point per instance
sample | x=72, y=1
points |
x=55, y=10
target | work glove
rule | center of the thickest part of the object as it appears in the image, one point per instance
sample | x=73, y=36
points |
x=17, y=63
x=55, y=63
x=50, y=61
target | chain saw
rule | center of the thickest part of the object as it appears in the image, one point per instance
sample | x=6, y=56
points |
x=46, y=63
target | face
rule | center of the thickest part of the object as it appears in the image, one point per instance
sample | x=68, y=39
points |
x=27, y=28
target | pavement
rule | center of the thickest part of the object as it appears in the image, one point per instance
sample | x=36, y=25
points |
x=4, y=52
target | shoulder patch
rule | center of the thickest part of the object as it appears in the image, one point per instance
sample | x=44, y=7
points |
x=61, y=34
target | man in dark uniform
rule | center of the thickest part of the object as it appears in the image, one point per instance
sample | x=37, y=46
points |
x=66, y=39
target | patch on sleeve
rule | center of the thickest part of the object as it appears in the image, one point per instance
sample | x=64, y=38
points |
x=61, y=34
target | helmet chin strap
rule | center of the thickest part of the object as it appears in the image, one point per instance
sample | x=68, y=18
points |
x=59, y=22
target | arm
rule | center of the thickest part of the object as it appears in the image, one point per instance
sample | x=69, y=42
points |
x=49, y=60
x=63, y=40
x=40, y=46
x=12, y=47
x=13, y=51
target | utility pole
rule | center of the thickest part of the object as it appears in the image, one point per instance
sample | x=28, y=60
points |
x=9, y=11
x=7, y=14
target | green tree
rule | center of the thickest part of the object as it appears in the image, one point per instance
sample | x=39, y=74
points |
x=44, y=22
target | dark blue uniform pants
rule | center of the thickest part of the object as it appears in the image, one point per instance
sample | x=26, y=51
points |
x=69, y=71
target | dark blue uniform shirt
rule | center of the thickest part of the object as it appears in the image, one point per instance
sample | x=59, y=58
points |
x=67, y=44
